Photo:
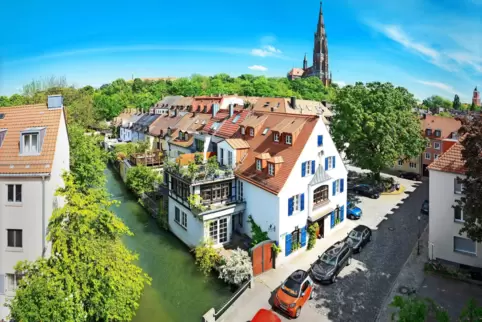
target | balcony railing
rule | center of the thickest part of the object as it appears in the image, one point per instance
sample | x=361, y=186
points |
x=203, y=173
x=215, y=205
x=148, y=159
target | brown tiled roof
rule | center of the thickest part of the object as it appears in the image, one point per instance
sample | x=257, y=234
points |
x=446, y=124
x=296, y=71
x=264, y=156
x=189, y=123
x=205, y=101
x=264, y=144
x=162, y=123
x=254, y=120
x=237, y=143
x=450, y=161
x=271, y=104
x=227, y=128
x=278, y=159
x=20, y=118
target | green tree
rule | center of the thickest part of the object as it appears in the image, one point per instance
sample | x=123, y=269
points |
x=456, y=105
x=142, y=179
x=374, y=125
x=470, y=202
x=435, y=101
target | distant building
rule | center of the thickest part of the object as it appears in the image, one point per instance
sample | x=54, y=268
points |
x=320, y=66
x=476, y=97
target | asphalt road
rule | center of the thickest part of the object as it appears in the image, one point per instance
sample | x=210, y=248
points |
x=362, y=287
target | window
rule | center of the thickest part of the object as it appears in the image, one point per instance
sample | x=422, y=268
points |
x=265, y=131
x=12, y=282
x=180, y=188
x=218, y=230
x=400, y=162
x=199, y=145
x=329, y=163
x=458, y=186
x=320, y=195
x=458, y=214
x=464, y=245
x=295, y=236
x=30, y=143
x=184, y=220
x=14, y=238
x=336, y=185
x=428, y=132
x=276, y=137
x=177, y=215
x=436, y=145
x=259, y=166
x=243, y=130
x=240, y=190
x=14, y=193
x=271, y=169
x=428, y=156
x=436, y=156
x=320, y=140
x=251, y=131
x=288, y=139
x=296, y=203
x=236, y=118
x=221, y=156
x=429, y=144
x=230, y=158
x=181, y=135
x=438, y=133
x=216, y=192
x=413, y=165
x=308, y=167
x=215, y=126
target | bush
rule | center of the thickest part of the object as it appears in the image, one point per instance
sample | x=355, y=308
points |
x=206, y=257
x=237, y=269
x=141, y=179
x=312, y=232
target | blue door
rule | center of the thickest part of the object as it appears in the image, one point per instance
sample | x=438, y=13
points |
x=303, y=236
x=288, y=245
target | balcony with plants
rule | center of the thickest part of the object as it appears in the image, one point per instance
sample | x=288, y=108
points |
x=198, y=172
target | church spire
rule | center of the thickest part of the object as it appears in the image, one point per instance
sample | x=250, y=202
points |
x=305, y=62
x=321, y=21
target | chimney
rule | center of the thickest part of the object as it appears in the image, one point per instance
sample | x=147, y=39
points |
x=214, y=109
x=55, y=102
x=231, y=110
x=174, y=112
x=293, y=102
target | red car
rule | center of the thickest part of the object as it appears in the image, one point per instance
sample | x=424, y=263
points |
x=265, y=315
x=294, y=293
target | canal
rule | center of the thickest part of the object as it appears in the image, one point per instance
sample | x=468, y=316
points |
x=178, y=291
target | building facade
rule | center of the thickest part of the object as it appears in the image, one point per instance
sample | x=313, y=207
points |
x=476, y=97
x=34, y=151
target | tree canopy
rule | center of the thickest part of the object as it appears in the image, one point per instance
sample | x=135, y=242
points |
x=435, y=101
x=374, y=125
x=456, y=105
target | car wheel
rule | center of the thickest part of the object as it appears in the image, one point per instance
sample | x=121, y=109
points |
x=298, y=312
x=333, y=279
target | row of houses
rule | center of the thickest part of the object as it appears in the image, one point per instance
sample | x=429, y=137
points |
x=276, y=164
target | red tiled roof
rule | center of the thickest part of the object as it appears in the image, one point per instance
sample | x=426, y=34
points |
x=162, y=123
x=189, y=123
x=237, y=143
x=446, y=124
x=450, y=161
x=264, y=144
x=18, y=119
x=227, y=129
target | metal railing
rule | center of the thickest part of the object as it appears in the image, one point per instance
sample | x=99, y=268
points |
x=227, y=305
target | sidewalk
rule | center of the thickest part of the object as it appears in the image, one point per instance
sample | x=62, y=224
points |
x=411, y=276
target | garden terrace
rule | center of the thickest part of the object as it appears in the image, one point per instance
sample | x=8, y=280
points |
x=150, y=158
x=203, y=173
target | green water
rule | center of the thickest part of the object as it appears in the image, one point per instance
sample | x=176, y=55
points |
x=178, y=291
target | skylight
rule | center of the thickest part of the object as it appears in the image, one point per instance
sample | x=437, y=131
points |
x=2, y=116
x=265, y=131
x=215, y=126
x=3, y=132
x=236, y=118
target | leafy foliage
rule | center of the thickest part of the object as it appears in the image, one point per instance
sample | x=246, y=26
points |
x=374, y=125
x=196, y=202
x=435, y=101
x=472, y=183
x=142, y=179
x=456, y=105
x=312, y=232
x=237, y=269
x=257, y=234
x=207, y=257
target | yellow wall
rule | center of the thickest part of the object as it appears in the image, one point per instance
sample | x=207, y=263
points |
x=405, y=167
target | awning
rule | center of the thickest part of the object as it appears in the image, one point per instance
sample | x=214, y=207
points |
x=320, y=214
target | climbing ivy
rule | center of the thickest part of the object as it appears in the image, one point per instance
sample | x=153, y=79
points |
x=312, y=232
x=257, y=234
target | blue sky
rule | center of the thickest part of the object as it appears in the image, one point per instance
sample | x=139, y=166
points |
x=427, y=46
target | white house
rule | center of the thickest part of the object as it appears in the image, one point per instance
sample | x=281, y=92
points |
x=291, y=177
x=445, y=221
x=34, y=151
x=125, y=131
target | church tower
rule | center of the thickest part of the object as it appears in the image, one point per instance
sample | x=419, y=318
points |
x=305, y=63
x=476, y=97
x=320, y=52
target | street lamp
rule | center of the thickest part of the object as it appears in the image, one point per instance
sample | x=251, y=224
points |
x=418, y=240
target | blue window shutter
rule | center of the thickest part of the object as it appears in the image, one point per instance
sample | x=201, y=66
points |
x=342, y=213
x=288, y=244
x=312, y=166
x=326, y=163
x=302, y=202
x=303, y=236
x=320, y=140
x=303, y=169
x=290, y=206
x=334, y=188
x=333, y=162
x=342, y=182
x=332, y=219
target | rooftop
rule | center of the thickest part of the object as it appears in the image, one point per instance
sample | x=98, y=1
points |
x=447, y=125
x=451, y=161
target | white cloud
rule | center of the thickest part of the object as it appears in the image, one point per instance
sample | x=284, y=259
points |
x=340, y=83
x=397, y=34
x=266, y=51
x=258, y=68
x=444, y=87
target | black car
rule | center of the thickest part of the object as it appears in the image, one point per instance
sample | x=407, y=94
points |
x=410, y=176
x=330, y=264
x=359, y=237
x=424, y=209
x=367, y=191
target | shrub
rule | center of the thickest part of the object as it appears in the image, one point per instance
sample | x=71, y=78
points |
x=206, y=257
x=141, y=179
x=198, y=158
x=237, y=269
x=312, y=232
x=257, y=234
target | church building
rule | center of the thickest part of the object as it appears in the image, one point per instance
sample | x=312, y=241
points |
x=320, y=57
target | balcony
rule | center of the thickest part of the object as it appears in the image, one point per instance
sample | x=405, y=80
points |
x=197, y=174
x=223, y=207
x=150, y=158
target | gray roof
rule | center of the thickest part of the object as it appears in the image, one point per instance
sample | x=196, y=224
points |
x=168, y=100
x=134, y=118
x=320, y=176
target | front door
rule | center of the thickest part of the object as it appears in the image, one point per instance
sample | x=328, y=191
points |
x=321, y=229
x=234, y=220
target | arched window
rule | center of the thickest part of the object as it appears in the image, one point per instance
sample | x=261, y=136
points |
x=320, y=194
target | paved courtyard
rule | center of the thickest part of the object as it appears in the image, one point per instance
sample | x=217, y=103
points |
x=361, y=287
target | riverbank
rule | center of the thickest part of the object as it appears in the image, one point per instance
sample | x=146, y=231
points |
x=179, y=292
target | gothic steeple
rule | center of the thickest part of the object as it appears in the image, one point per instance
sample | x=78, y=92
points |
x=320, y=51
x=305, y=62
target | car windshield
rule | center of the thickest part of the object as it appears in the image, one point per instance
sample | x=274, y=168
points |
x=351, y=206
x=355, y=235
x=328, y=259
x=291, y=287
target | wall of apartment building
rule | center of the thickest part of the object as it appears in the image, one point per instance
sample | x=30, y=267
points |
x=413, y=165
x=433, y=151
x=442, y=224
x=191, y=235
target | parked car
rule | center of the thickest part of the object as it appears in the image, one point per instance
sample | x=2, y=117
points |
x=265, y=315
x=352, y=175
x=359, y=237
x=424, y=209
x=294, y=293
x=410, y=176
x=330, y=264
x=353, y=212
x=367, y=191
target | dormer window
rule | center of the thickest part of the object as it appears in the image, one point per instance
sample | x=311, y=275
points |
x=181, y=135
x=428, y=132
x=31, y=141
x=259, y=165
x=271, y=169
x=438, y=133
x=288, y=139
x=243, y=130
x=251, y=131
x=276, y=137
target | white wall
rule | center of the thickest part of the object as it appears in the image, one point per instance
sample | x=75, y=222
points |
x=231, y=100
x=225, y=147
x=442, y=227
x=194, y=233
x=125, y=134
